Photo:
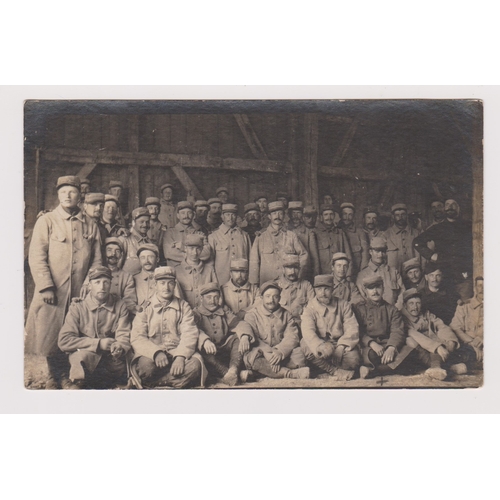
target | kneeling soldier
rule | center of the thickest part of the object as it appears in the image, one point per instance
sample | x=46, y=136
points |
x=273, y=336
x=96, y=335
x=164, y=338
x=218, y=343
x=435, y=343
x=330, y=332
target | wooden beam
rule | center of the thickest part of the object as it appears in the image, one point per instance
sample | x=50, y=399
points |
x=187, y=183
x=251, y=137
x=346, y=142
x=311, y=158
x=86, y=170
x=293, y=178
x=134, y=197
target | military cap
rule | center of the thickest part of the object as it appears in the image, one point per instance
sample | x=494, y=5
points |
x=193, y=240
x=165, y=186
x=209, y=287
x=98, y=272
x=260, y=197
x=324, y=208
x=239, y=265
x=211, y=201
x=347, y=205
x=113, y=241
x=431, y=267
x=378, y=243
x=152, y=200
x=412, y=292
x=221, y=189
x=370, y=210
x=229, y=207
x=275, y=205
x=295, y=205
x=84, y=181
x=269, y=284
x=113, y=184
x=201, y=203
x=399, y=206
x=110, y=197
x=184, y=204
x=340, y=256
x=410, y=264
x=373, y=281
x=291, y=260
x=94, y=198
x=323, y=280
x=251, y=206
x=139, y=212
x=164, y=273
x=148, y=246
x=68, y=180
x=310, y=210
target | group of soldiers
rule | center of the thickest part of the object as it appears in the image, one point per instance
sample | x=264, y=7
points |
x=175, y=293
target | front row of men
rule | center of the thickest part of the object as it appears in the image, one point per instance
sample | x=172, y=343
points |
x=235, y=333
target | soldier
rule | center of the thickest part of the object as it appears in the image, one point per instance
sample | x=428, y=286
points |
x=306, y=236
x=252, y=223
x=331, y=240
x=269, y=338
x=342, y=288
x=64, y=246
x=283, y=197
x=214, y=217
x=192, y=272
x=228, y=242
x=358, y=239
x=437, y=211
x=93, y=206
x=400, y=237
x=223, y=194
x=138, y=236
x=157, y=230
x=201, y=209
x=84, y=189
x=435, y=344
x=262, y=203
x=145, y=283
x=115, y=189
x=96, y=335
x=393, y=283
x=218, y=344
x=173, y=241
x=295, y=293
x=164, y=338
x=381, y=330
x=330, y=332
x=270, y=246
x=412, y=274
x=109, y=218
x=238, y=294
x=310, y=217
x=167, y=208
x=370, y=223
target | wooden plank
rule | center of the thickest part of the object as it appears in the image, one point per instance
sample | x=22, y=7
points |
x=178, y=134
x=187, y=183
x=146, y=133
x=73, y=131
x=225, y=130
x=86, y=170
x=210, y=135
x=346, y=142
x=161, y=133
x=293, y=178
x=311, y=159
x=91, y=131
x=134, y=196
x=194, y=134
x=250, y=136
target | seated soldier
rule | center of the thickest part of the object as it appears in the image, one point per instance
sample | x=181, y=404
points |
x=269, y=338
x=381, y=330
x=330, y=332
x=434, y=343
x=412, y=274
x=342, y=288
x=238, y=294
x=164, y=338
x=218, y=344
x=295, y=292
x=96, y=335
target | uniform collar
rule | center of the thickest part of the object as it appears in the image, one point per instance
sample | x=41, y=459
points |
x=182, y=227
x=322, y=227
x=144, y=275
x=190, y=267
x=161, y=306
x=265, y=312
x=351, y=229
x=164, y=202
x=322, y=309
x=65, y=215
x=337, y=282
x=205, y=312
x=374, y=267
x=301, y=228
x=275, y=232
x=138, y=236
x=375, y=304
x=225, y=229
x=286, y=283
x=475, y=303
x=411, y=318
x=236, y=288
x=93, y=305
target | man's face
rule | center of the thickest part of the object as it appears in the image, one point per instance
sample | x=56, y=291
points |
x=434, y=279
x=85, y=188
x=328, y=218
x=141, y=225
x=211, y=300
x=414, y=275
x=291, y=273
x=323, y=294
x=480, y=290
x=68, y=196
x=193, y=253
x=229, y=219
x=284, y=201
x=165, y=289
x=437, y=209
x=239, y=278
x=93, y=210
x=253, y=217
x=400, y=218
x=223, y=196
x=148, y=260
x=262, y=204
x=452, y=209
x=296, y=217
x=378, y=255
x=271, y=299
x=154, y=210
x=113, y=254
x=414, y=306
x=370, y=221
x=185, y=216
x=167, y=194
x=348, y=216
x=115, y=191
x=327, y=200
x=277, y=217
x=310, y=221
x=339, y=268
x=375, y=293
x=201, y=214
x=216, y=209
x=110, y=211
x=99, y=288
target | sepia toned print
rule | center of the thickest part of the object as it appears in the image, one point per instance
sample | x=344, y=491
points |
x=253, y=244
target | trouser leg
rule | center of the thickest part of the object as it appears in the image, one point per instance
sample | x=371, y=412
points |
x=189, y=378
x=108, y=373
x=148, y=371
x=58, y=365
x=297, y=359
x=214, y=365
x=263, y=366
x=235, y=357
x=350, y=360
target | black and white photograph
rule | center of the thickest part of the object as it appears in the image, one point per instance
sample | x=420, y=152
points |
x=253, y=244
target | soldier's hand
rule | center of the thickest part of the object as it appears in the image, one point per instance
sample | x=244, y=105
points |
x=161, y=360
x=325, y=350
x=275, y=358
x=244, y=344
x=477, y=342
x=177, y=366
x=379, y=350
x=117, y=350
x=105, y=344
x=49, y=297
x=209, y=347
x=443, y=352
x=479, y=353
x=338, y=354
x=389, y=355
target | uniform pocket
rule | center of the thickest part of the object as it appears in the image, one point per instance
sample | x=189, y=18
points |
x=58, y=237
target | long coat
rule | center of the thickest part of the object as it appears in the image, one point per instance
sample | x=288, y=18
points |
x=308, y=238
x=330, y=241
x=400, y=245
x=63, y=249
x=173, y=244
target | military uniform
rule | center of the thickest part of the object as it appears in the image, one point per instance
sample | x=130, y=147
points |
x=346, y=290
x=145, y=287
x=131, y=244
x=173, y=244
x=359, y=244
x=192, y=277
x=331, y=241
x=400, y=245
x=442, y=303
x=168, y=210
x=295, y=295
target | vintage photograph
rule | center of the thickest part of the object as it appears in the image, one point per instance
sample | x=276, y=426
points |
x=253, y=244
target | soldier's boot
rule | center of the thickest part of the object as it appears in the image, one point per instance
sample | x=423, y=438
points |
x=436, y=373
x=231, y=377
x=246, y=376
x=459, y=369
x=323, y=365
x=298, y=373
x=365, y=372
x=214, y=365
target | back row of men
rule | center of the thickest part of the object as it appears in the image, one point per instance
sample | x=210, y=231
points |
x=201, y=256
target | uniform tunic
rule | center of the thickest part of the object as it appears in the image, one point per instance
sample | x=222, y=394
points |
x=346, y=290
x=330, y=241
x=400, y=245
x=467, y=322
x=63, y=248
x=131, y=244
x=173, y=244
x=145, y=287
x=192, y=277
x=156, y=233
x=167, y=215
x=359, y=243
x=295, y=295
x=308, y=239
x=114, y=230
x=215, y=326
x=442, y=303
x=239, y=298
x=267, y=253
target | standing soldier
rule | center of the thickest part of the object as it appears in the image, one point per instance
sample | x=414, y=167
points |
x=228, y=242
x=271, y=245
x=238, y=294
x=93, y=206
x=167, y=207
x=115, y=189
x=262, y=202
x=252, y=223
x=109, y=218
x=370, y=223
x=64, y=246
x=145, y=284
x=84, y=189
x=310, y=216
x=214, y=217
x=201, y=209
x=223, y=194
x=437, y=210
x=157, y=230
x=343, y=288
x=358, y=239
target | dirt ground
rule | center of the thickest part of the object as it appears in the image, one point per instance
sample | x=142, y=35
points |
x=35, y=373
